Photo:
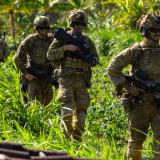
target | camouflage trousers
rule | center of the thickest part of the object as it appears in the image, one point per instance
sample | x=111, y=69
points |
x=140, y=118
x=40, y=90
x=74, y=99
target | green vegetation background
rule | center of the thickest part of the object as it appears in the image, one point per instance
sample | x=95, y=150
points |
x=112, y=26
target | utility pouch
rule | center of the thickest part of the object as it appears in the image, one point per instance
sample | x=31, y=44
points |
x=129, y=102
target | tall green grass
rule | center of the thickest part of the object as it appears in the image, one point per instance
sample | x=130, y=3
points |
x=36, y=126
x=110, y=41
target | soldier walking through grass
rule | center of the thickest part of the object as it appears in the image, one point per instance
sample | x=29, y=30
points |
x=32, y=52
x=142, y=106
x=74, y=75
x=4, y=49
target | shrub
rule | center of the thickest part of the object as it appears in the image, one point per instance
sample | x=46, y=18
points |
x=110, y=41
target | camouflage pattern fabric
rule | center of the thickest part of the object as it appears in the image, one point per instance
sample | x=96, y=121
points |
x=41, y=21
x=41, y=91
x=74, y=98
x=34, y=49
x=140, y=118
x=73, y=95
x=144, y=114
x=79, y=16
x=149, y=21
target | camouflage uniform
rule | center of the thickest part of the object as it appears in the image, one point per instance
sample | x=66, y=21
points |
x=73, y=77
x=33, y=50
x=146, y=112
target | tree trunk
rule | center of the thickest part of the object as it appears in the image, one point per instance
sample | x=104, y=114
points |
x=11, y=12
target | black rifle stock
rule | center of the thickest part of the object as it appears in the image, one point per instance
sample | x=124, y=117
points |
x=84, y=53
x=42, y=75
x=140, y=79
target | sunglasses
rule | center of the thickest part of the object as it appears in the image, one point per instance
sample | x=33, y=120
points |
x=79, y=23
x=43, y=28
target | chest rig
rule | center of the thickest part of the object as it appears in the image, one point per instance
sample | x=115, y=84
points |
x=147, y=59
x=72, y=60
x=38, y=50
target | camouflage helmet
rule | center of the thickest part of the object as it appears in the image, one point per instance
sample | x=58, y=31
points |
x=149, y=23
x=77, y=17
x=41, y=22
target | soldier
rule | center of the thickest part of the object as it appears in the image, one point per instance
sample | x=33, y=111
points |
x=144, y=112
x=32, y=52
x=73, y=75
x=4, y=51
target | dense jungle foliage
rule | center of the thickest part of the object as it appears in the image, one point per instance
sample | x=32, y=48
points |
x=112, y=26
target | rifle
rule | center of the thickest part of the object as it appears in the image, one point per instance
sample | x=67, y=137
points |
x=36, y=71
x=141, y=80
x=84, y=52
x=15, y=151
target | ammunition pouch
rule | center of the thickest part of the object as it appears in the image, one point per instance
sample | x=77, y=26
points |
x=72, y=55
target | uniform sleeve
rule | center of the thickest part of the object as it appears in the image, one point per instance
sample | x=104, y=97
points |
x=117, y=64
x=94, y=50
x=20, y=57
x=55, y=51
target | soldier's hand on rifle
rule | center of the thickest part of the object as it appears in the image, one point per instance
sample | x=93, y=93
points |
x=30, y=77
x=70, y=47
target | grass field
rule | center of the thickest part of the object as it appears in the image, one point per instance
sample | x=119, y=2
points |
x=36, y=126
